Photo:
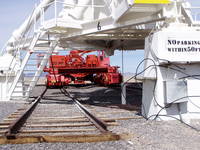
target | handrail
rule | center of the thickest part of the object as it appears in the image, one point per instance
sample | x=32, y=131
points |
x=56, y=3
x=3, y=50
x=72, y=6
x=17, y=50
x=20, y=45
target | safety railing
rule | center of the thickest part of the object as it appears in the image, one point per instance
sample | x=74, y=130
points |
x=56, y=8
x=20, y=44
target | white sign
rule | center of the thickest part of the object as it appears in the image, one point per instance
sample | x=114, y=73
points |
x=183, y=45
x=177, y=46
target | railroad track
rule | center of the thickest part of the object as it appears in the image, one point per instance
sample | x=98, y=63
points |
x=39, y=122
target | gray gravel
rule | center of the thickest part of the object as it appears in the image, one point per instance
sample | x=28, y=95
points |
x=7, y=108
x=147, y=135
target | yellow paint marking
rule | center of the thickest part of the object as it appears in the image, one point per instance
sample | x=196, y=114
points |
x=152, y=1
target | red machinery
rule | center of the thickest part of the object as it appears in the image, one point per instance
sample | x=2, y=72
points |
x=74, y=68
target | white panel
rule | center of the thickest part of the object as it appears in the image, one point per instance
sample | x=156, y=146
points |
x=175, y=90
x=194, y=90
x=119, y=7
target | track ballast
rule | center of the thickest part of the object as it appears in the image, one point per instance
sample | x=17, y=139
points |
x=39, y=122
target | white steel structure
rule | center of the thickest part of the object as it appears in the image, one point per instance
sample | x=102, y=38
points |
x=164, y=28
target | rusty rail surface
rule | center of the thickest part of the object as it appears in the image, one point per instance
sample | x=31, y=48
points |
x=99, y=123
x=15, y=127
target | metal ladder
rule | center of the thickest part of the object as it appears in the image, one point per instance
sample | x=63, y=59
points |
x=30, y=66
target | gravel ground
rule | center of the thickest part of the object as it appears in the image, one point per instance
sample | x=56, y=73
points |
x=7, y=108
x=147, y=135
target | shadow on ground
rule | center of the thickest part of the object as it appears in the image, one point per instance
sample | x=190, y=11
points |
x=109, y=96
x=97, y=95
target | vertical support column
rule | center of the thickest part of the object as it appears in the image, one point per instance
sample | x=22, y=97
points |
x=35, y=20
x=55, y=11
x=42, y=10
x=93, y=15
x=41, y=16
x=123, y=85
x=123, y=94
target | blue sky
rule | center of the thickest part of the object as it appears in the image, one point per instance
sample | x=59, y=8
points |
x=14, y=12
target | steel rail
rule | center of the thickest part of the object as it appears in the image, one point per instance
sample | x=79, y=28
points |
x=99, y=124
x=15, y=127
